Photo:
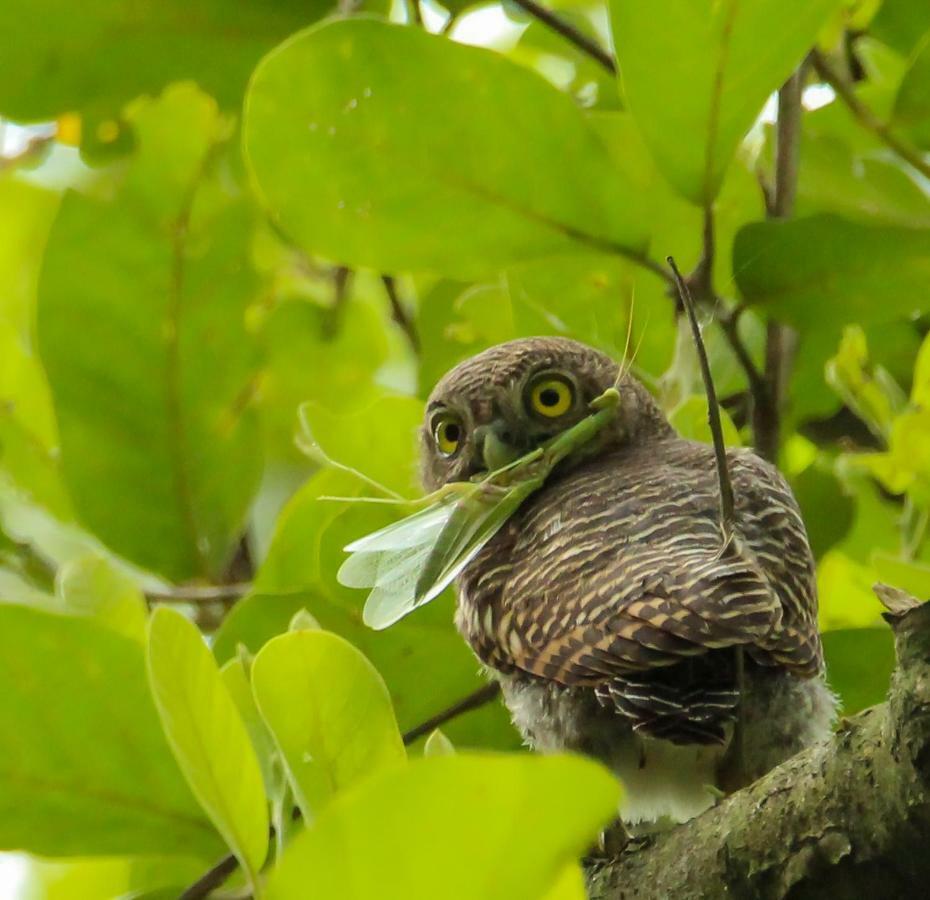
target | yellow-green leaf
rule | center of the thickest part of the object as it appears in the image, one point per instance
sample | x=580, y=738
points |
x=207, y=735
x=329, y=711
x=458, y=827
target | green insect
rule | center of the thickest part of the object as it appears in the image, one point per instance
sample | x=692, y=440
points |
x=411, y=561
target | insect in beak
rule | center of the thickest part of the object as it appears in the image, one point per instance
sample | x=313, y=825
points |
x=494, y=446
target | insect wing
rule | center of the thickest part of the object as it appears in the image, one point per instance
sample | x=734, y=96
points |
x=408, y=532
x=476, y=519
x=389, y=561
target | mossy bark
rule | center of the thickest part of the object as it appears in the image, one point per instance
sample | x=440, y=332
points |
x=849, y=818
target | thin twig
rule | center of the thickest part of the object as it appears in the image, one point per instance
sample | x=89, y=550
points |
x=211, y=880
x=570, y=33
x=713, y=409
x=701, y=285
x=449, y=24
x=867, y=118
x=399, y=314
x=778, y=338
x=332, y=324
x=194, y=593
x=474, y=700
x=415, y=15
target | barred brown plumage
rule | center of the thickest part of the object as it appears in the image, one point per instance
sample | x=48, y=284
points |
x=607, y=605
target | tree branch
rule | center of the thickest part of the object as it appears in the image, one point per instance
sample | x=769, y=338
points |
x=778, y=338
x=900, y=145
x=211, y=880
x=848, y=818
x=194, y=593
x=570, y=33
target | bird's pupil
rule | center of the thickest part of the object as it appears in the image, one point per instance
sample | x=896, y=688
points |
x=452, y=432
x=549, y=397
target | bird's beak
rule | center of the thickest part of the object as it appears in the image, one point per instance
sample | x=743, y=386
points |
x=493, y=447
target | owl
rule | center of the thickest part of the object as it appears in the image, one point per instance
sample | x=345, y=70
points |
x=608, y=608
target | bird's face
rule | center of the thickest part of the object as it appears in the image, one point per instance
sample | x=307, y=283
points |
x=504, y=402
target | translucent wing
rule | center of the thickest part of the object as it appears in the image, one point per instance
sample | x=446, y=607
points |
x=474, y=521
x=408, y=532
x=389, y=562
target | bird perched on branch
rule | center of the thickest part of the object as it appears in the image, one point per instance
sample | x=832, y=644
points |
x=608, y=606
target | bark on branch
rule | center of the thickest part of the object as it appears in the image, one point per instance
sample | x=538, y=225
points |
x=846, y=819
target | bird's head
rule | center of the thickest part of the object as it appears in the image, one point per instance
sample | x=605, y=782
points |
x=495, y=407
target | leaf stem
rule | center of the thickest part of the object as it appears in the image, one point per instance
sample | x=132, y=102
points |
x=867, y=118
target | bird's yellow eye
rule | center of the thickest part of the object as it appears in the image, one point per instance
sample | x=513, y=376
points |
x=447, y=432
x=551, y=396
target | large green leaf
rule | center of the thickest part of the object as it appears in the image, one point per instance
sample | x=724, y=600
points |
x=84, y=766
x=141, y=331
x=207, y=735
x=824, y=271
x=696, y=73
x=454, y=827
x=355, y=155
x=329, y=711
x=27, y=428
x=102, y=53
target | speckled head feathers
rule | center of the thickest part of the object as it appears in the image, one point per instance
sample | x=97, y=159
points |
x=489, y=392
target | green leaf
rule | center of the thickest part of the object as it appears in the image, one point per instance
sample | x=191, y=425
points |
x=901, y=23
x=354, y=153
x=207, y=735
x=255, y=620
x=859, y=665
x=455, y=827
x=63, y=677
x=92, y=586
x=826, y=508
x=868, y=390
x=920, y=390
x=437, y=744
x=27, y=426
x=140, y=296
x=697, y=73
x=690, y=421
x=379, y=440
x=237, y=680
x=912, y=103
x=143, y=878
x=105, y=52
x=330, y=714
x=824, y=271
x=342, y=371
x=907, y=575
x=844, y=587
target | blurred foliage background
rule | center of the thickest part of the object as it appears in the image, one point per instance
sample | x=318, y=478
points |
x=235, y=256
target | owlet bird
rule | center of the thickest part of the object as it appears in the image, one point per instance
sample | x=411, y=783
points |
x=607, y=606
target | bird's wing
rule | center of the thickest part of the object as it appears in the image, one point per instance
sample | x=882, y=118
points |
x=620, y=571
